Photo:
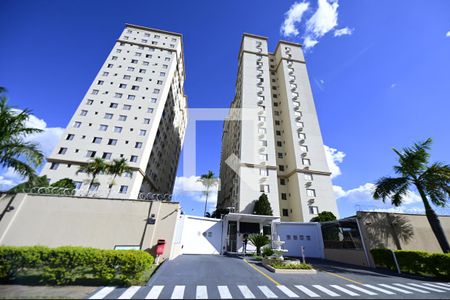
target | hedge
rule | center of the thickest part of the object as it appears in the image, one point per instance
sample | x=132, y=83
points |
x=68, y=264
x=414, y=262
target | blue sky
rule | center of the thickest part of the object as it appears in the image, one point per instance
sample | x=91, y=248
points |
x=383, y=83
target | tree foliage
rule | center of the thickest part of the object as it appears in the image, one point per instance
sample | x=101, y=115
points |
x=208, y=180
x=262, y=206
x=258, y=240
x=432, y=183
x=324, y=216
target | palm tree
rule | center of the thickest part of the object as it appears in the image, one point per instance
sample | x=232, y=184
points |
x=258, y=240
x=208, y=180
x=117, y=168
x=16, y=153
x=432, y=183
x=95, y=167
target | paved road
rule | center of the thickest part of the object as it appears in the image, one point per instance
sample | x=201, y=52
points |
x=222, y=277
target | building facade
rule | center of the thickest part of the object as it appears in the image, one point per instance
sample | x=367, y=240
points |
x=274, y=132
x=135, y=109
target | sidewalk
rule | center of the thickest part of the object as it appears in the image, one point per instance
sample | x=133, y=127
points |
x=15, y=291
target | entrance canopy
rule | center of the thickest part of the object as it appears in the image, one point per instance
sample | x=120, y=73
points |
x=264, y=220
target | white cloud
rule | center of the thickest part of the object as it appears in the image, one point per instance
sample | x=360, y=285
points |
x=343, y=31
x=324, y=19
x=448, y=34
x=192, y=189
x=334, y=157
x=293, y=16
x=308, y=42
x=393, y=85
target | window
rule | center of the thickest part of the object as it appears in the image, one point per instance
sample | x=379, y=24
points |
x=128, y=174
x=142, y=71
x=90, y=153
x=167, y=59
x=113, y=105
x=142, y=132
x=112, y=142
x=89, y=102
x=262, y=130
x=131, y=97
x=279, y=144
x=146, y=121
x=145, y=63
x=122, y=118
x=94, y=187
x=283, y=196
x=148, y=56
x=159, y=82
x=306, y=162
x=304, y=148
x=264, y=188
x=138, y=145
x=278, y=132
x=311, y=192
x=117, y=129
x=264, y=157
x=264, y=172
x=139, y=79
x=281, y=167
x=77, y=124
x=134, y=61
x=126, y=107
x=70, y=137
x=302, y=136
x=135, y=87
x=105, y=74
x=137, y=54
x=153, y=100
x=314, y=210
x=118, y=50
x=147, y=34
x=150, y=110
x=62, y=150
x=130, y=69
x=122, y=85
x=280, y=155
x=308, y=177
x=106, y=155
x=117, y=95
x=285, y=212
x=110, y=65
x=282, y=181
x=97, y=140
x=103, y=127
x=127, y=77
x=264, y=143
x=157, y=36
x=83, y=112
x=261, y=118
x=54, y=166
x=165, y=66
x=77, y=184
x=162, y=73
x=133, y=158
x=108, y=116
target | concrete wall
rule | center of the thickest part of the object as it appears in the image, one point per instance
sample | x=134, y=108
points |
x=400, y=231
x=101, y=223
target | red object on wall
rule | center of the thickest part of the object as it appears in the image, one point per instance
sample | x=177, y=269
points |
x=160, y=247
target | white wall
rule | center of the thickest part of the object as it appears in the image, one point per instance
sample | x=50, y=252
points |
x=291, y=233
x=201, y=235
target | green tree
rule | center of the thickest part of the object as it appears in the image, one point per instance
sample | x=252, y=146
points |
x=208, y=180
x=117, y=168
x=35, y=181
x=324, y=216
x=66, y=183
x=219, y=212
x=15, y=152
x=432, y=182
x=262, y=206
x=93, y=168
x=259, y=241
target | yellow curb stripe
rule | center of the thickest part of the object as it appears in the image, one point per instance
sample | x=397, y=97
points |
x=262, y=273
x=339, y=276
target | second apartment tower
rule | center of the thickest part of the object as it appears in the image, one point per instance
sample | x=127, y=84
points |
x=274, y=132
x=135, y=109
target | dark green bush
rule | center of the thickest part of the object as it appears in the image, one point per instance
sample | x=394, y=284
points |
x=267, y=251
x=65, y=265
x=414, y=262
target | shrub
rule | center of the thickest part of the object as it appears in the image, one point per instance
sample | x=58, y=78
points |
x=291, y=266
x=415, y=262
x=258, y=240
x=65, y=265
x=267, y=251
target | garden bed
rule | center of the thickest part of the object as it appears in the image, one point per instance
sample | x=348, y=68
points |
x=287, y=266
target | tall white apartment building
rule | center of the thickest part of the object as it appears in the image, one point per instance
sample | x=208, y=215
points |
x=134, y=109
x=274, y=132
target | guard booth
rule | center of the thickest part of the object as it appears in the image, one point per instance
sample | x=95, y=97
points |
x=236, y=225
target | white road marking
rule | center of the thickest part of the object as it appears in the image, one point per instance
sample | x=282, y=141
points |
x=395, y=288
x=306, y=291
x=178, y=292
x=154, y=292
x=325, y=290
x=267, y=292
x=224, y=292
x=426, y=287
x=348, y=292
x=411, y=288
x=442, y=283
x=447, y=288
x=287, y=291
x=103, y=292
x=361, y=290
x=201, y=292
x=129, y=292
x=246, y=292
x=379, y=289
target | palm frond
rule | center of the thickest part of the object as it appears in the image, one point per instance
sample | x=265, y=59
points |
x=413, y=160
x=391, y=188
x=436, y=183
